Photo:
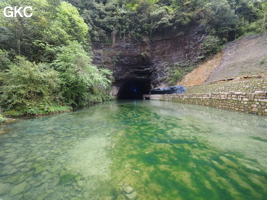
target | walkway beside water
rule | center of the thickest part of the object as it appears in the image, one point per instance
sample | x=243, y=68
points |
x=254, y=103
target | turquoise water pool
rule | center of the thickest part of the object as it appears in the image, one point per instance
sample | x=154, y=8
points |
x=135, y=150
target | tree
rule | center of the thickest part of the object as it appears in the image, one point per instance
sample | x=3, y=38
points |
x=81, y=82
x=49, y=26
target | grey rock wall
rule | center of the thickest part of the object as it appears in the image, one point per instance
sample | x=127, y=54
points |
x=148, y=58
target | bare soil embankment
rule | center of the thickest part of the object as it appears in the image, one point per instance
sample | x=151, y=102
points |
x=238, y=61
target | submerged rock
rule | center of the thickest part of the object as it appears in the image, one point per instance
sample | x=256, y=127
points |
x=4, y=188
x=131, y=196
x=128, y=189
x=12, y=171
x=106, y=198
x=42, y=196
x=136, y=171
x=121, y=197
x=19, y=189
x=18, y=161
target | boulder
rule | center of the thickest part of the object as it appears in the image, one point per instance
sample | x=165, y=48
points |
x=23, y=187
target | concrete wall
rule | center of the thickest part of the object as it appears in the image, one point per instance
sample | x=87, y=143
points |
x=255, y=103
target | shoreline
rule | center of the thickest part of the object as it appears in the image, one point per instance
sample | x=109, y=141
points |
x=252, y=103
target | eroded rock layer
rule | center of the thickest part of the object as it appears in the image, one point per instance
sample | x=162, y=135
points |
x=147, y=60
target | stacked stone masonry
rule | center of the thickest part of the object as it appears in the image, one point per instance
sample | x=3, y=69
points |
x=255, y=103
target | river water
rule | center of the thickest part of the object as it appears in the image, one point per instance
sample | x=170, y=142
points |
x=135, y=150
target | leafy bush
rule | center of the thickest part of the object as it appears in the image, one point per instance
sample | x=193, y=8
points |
x=211, y=45
x=27, y=86
x=81, y=82
x=54, y=23
x=4, y=60
x=176, y=72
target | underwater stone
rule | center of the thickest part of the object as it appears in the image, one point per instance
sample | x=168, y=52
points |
x=44, y=186
x=12, y=179
x=80, y=183
x=4, y=188
x=32, y=158
x=106, y=198
x=11, y=149
x=44, y=173
x=131, y=196
x=18, y=161
x=39, y=169
x=55, y=168
x=32, y=182
x=121, y=197
x=86, y=195
x=9, y=160
x=42, y=196
x=128, y=189
x=136, y=171
x=12, y=171
x=36, y=184
x=19, y=189
x=1, y=154
x=21, y=165
x=67, y=178
x=23, y=177
x=55, y=182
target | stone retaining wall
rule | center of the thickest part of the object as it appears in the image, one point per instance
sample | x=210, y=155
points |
x=255, y=103
x=246, y=86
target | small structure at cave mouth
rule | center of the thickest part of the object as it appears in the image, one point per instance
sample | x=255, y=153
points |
x=170, y=90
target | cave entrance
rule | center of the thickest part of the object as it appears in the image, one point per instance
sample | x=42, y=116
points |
x=133, y=89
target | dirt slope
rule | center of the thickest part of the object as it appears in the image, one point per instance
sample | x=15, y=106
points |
x=246, y=56
x=202, y=72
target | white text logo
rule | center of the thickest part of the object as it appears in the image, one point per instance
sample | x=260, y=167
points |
x=14, y=11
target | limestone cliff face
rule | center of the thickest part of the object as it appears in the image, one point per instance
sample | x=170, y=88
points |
x=147, y=59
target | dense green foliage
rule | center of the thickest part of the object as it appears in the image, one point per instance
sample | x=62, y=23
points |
x=81, y=82
x=27, y=86
x=44, y=66
x=220, y=20
x=225, y=19
x=35, y=37
x=176, y=72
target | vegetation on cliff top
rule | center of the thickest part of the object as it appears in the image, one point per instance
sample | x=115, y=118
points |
x=225, y=19
x=219, y=20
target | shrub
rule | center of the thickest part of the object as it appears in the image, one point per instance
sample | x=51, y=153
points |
x=176, y=72
x=81, y=82
x=28, y=87
x=211, y=45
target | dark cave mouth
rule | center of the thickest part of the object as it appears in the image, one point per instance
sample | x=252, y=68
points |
x=133, y=89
